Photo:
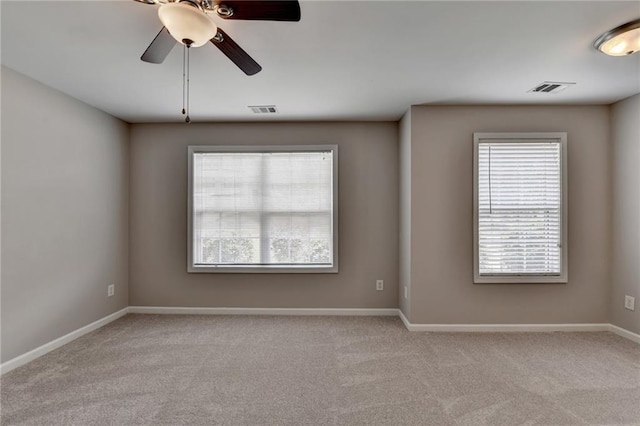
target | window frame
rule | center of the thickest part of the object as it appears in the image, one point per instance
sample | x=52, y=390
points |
x=275, y=269
x=563, y=277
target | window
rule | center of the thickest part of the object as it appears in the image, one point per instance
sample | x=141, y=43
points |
x=262, y=209
x=520, y=213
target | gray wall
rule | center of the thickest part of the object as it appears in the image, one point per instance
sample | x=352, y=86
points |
x=442, y=228
x=64, y=214
x=405, y=215
x=625, y=137
x=368, y=219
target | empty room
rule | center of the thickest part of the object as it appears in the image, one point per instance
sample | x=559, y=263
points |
x=319, y=212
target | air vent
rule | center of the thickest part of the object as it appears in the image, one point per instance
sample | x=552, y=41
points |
x=263, y=109
x=550, y=87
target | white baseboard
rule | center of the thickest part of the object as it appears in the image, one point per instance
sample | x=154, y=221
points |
x=16, y=362
x=624, y=333
x=48, y=347
x=506, y=328
x=501, y=328
x=404, y=319
x=391, y=312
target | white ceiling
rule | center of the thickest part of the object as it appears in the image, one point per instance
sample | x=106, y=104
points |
x=345, y=60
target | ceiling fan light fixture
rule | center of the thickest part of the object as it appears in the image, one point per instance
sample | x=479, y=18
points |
x=186, y=23
x=620, y=41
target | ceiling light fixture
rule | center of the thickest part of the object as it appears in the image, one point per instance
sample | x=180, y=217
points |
x=620, y=41
x=187, y=23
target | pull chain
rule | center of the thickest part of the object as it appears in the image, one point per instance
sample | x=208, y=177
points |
x=184, y=78
x=185, y=82
x=188, y=120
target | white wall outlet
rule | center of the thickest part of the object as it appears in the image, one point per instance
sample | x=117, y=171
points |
x=379, y=285
x=630, y=303
x=111, y=289
x=406, y=292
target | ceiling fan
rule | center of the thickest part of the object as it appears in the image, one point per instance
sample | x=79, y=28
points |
x=187, y=22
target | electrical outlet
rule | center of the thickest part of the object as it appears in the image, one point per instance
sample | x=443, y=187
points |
x=630, y=303
x=406, y=292
x=111, y=289
x=379, y=285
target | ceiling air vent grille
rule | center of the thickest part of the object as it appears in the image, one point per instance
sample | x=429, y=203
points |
x=263, y=109
x=550, y=87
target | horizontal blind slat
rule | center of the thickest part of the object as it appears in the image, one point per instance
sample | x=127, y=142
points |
x=263, y=208
x=519, y=207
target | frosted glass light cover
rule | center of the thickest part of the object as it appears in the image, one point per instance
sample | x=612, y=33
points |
x=621, y=41
x=186, y=22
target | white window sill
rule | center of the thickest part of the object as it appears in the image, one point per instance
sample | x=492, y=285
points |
x=520, y=279
x=262, y=269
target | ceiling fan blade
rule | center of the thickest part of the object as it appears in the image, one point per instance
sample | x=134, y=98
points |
x=234, y=52
x=159, y=47
x=265, y=10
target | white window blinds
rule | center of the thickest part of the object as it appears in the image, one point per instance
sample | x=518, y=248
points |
x=519, y=207
x=263, y=208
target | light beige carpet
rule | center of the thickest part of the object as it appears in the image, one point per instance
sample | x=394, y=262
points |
x=240, y=370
